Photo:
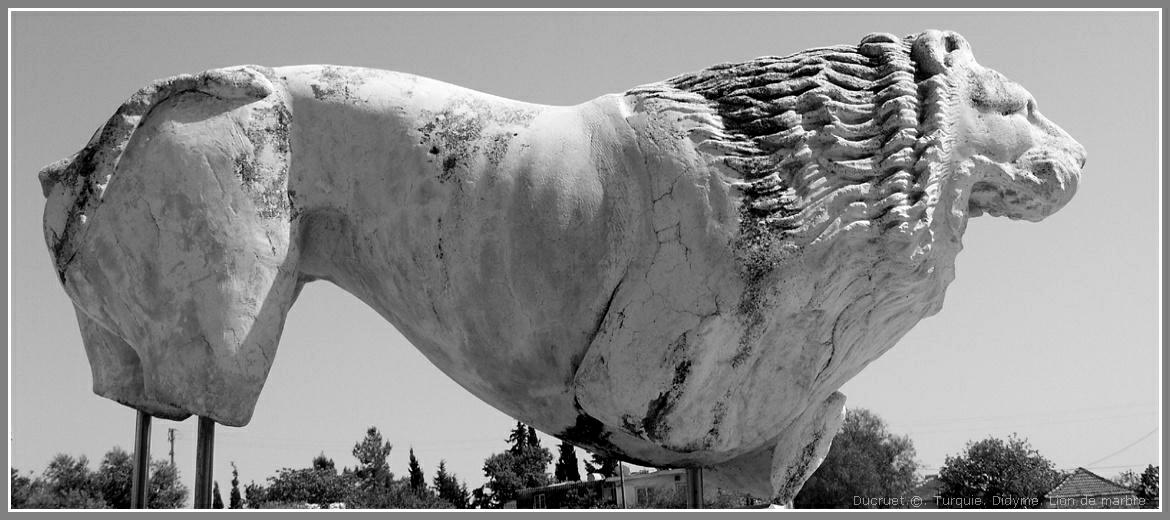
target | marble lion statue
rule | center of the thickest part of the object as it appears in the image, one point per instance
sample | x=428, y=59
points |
x=680, y=275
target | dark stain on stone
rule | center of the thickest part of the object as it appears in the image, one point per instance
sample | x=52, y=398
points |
x=448, y=164
x=655, y=413
x=717, y=415
x=334, y=86
x=755, y=249
x=654, y=421
x=459, y=130
x=497, y=148
x=294, y=211
x=591, y=434
x=457, y=133
x=630, y=424
x=793, y=473
x=681, y=371
x=81, y=168
x=245, y=170
x=319, y=92
x=263, y=173
x=439, y=252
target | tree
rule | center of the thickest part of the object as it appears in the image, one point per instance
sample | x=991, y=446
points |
x=518, y=438
x=1128, y=479
x=566, y=469
x=602, y=465
x=216, y=498
x=1144, y=485
x=864, y=460
x=522, y=466
x=69, y=474
x=66, y=483
x=166, y=489
x=418, y=482
x=306, y=486
x=994, y=468
x=1149, y=486
x=234, y=500
x=255, y=495
x=114, y=478
x=21, y=489
x=373, y=456
x=480, y=499
x=449, y=489
x=462, y=498
x=321, y=462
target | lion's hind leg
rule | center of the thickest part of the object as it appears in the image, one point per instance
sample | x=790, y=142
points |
x=190, y=259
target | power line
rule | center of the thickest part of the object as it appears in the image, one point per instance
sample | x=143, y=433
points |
x=1031, y=414
x=1095, y=418
x=1127, y=446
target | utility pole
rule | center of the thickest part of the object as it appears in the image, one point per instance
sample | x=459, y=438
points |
x=171, y=438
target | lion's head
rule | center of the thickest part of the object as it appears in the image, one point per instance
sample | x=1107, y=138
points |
x=1019, y=164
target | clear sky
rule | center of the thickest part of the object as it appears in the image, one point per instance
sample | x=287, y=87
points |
x=1050, y=330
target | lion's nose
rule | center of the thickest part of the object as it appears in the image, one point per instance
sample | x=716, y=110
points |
x=954, y=41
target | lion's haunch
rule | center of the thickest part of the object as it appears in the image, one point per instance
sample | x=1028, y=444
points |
x=679, y=275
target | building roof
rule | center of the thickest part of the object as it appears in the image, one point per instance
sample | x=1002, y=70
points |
x=1083, y=482
x=929, y=488
x=630, y=479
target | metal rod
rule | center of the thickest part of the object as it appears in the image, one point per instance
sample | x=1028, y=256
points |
x=140, y=476
x=695, y=488
x=204, y=448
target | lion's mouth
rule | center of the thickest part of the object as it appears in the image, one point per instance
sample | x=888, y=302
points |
x=1037, y=185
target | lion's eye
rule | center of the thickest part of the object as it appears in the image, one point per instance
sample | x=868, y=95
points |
x=1013, y=105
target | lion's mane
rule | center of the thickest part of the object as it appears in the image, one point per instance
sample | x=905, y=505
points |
x=825, y=141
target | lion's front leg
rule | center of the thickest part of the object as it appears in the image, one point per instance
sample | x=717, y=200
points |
x=780, y=467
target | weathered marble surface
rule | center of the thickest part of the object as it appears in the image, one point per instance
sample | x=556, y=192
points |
x=681, y=274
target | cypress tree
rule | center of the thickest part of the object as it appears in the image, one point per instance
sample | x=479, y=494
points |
x=216, y=498
x=418, y=482
x=234, y=500
x=517, y=438
x=566, y=469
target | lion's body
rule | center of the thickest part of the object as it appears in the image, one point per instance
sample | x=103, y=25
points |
x=652, y=275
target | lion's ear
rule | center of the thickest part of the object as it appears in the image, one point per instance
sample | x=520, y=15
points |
x=936, y=51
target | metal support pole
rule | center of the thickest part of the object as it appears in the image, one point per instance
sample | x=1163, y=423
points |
x=140, y=474
x=694, y=488
x=622, y=473
x=204, y=446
